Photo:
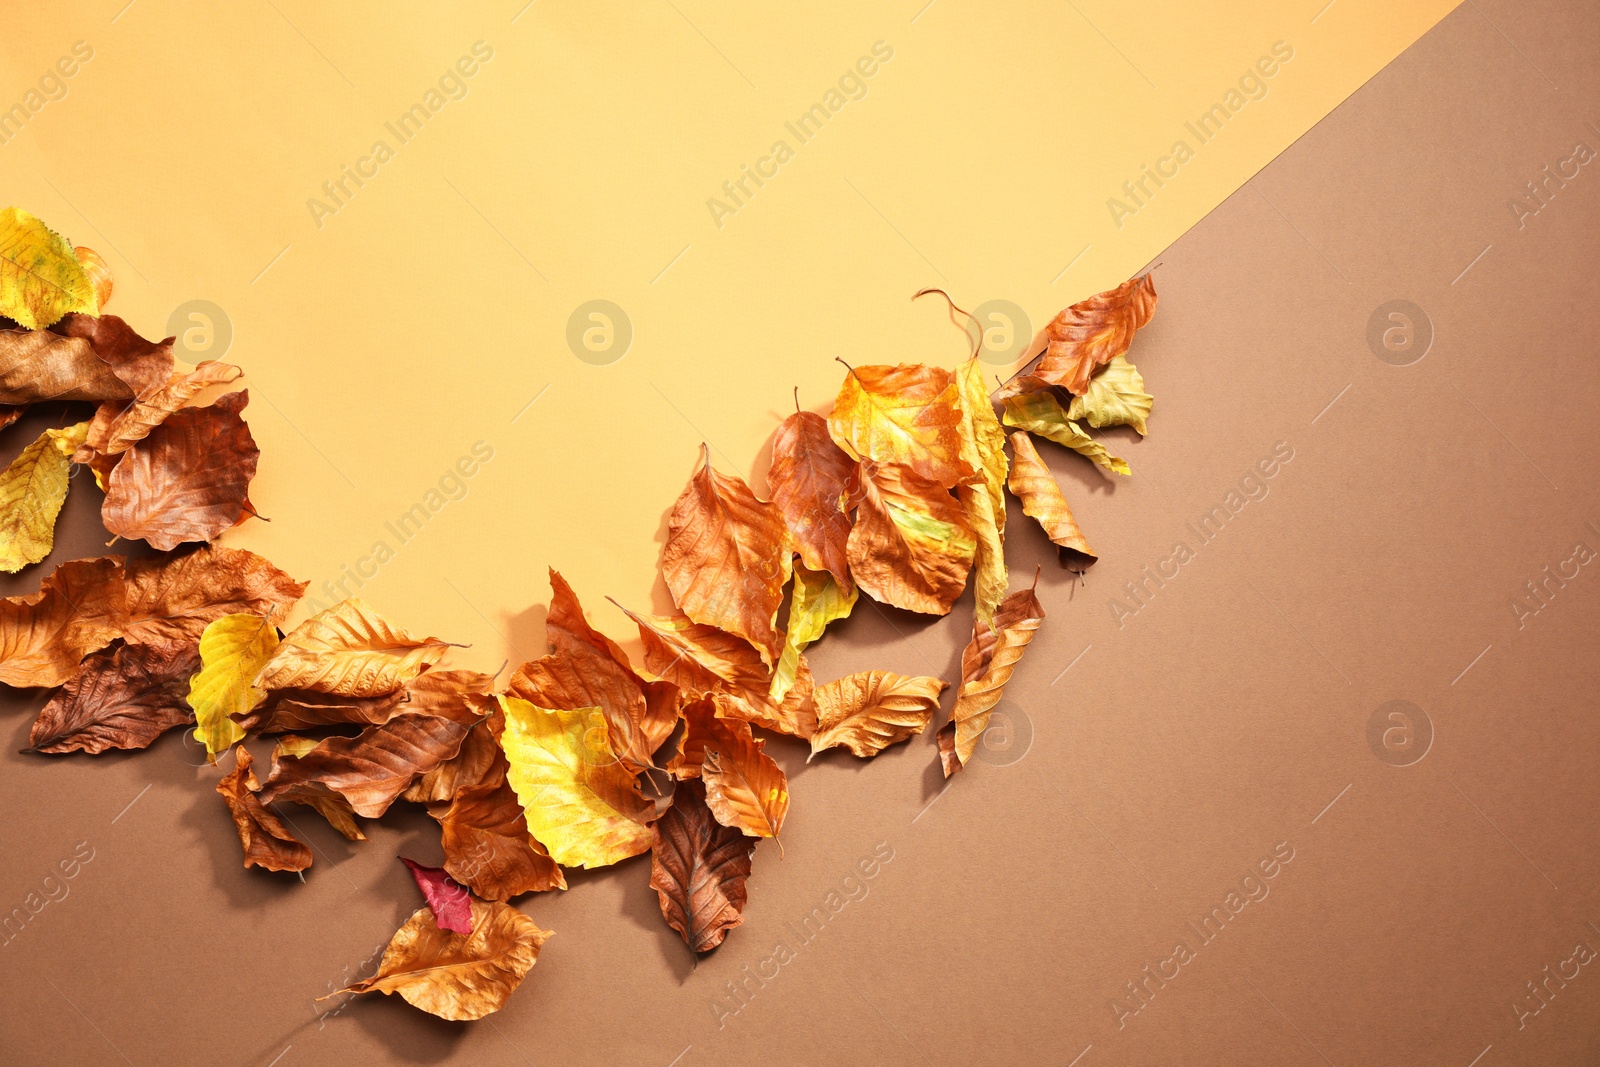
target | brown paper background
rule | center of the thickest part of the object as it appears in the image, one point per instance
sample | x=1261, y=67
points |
x=1164, y=758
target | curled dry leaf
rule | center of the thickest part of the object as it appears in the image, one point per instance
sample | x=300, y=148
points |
x=97, y=271
x=117, y=427
x=331, y=806
x=351, y=650
x=907, y=415
x=40, y=277
x=1041, y=498
x=816, y=601
x=188, y=480
x=479, y=760
x=460, y=977
x=745, y=787
x=266, y=842
x=911, y=546
x=122, y=697
x=288, y=710
x=698, y=868
x=983, y=499
x=986, y=666
x=727, y=556
x=1090, y=333
x=233, y=650
x=580, y=802
x=370, y=770
x=703, y=728
x=79, y=608
x=1042, y=413
x=487, y=846
x=1116, y=397
x=810, y=478
x=32, y=489
x=868, y=711
x=80, y=358
x=175, y=596
x=446, y=897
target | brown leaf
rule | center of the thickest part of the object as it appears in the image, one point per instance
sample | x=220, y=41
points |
x=727, y=558
x=698, y=868
x=189, y=480
x=291, y=710
x=331, y=806
x=175, y=596
x=911, y=546
x=266, y=843
x=1088, y=334
x=79, y=608
x=118, y=427
x=795, y=716
x=487, y=846
x=371, y=770
x=477, y=763
x=704, y=728
x=986, y=666
x=1041, y=498
x=809, y=479
x=79, y=358
x=142, y=365
x=746, y=788
x=458, y=976
x=868, y=711
x=907, y=415
x=351, y=650
x=123, y=697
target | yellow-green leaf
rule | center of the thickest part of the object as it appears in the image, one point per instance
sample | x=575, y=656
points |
x=40, y=276
x=816, y=601
x=1116, y=397
x=233, y=650
x=581, y=803
x=1042, y=414
x=983, y=447
x=32, y=490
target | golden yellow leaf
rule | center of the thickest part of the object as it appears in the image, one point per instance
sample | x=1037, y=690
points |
x=97, y=271
x=1041, y=413
x=1116, y=397
x=816, y=601
x=233, y=649
x=868, y=711
x=911, y=546
x=983, y=447
x=351, y=650
x=460, y=977
x=40, y=277
x=745, y=787
x=580, y=802
x=907, y=415
x=32, y=490
x=986, y=666
x=1041, y=498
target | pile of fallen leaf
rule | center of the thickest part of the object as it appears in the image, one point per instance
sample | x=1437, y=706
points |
x=899, y=493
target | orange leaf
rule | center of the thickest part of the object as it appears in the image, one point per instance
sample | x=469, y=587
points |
x=868, y=711
x=745, y=788
x=911, y=546
x=173, y=597
x=1041, y=498
x=1089, y=334
x=266, y=842
x=986, y=666
x=907, y=415
x=79, y=608
x=486, y=842
x=351, y=650
x=809, y=477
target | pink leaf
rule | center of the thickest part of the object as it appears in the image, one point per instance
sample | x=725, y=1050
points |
x=452, y=907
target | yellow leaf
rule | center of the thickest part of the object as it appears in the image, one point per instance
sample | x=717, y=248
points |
x=906, y=415
x=40, y=277
x=816, y=601
x=233, y=650
x=983, y=448
x=1041, y=498
x=580, y=802
x=1116, y=397
x=1042, y=414
x=32, y=490
x=911, y=546
x=351, y=650
x=868, y=711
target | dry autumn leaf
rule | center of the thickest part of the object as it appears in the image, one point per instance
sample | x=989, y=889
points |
x=986, y=666
x=370, y=770
x=351, y=650
x=79, y=608
x=1042, y=413
x=233, y=650
x=983, y=447
x=32, y=489
x=1090, y=333
x=581, y=804
x=1041, y=498
x=726, y=559
x=175, y=596
x=123, y=697
x=117, y=428
x=703, y=727
x=474, y=764
x=97, y=271
x=40, y=276
x=868, y=711
x=331, y=806
x=906, y=415
x=460, y=977
x=816, y=601
x=288, y=710
x=446, y=897
x=1115, y=397
x=80, y=358
x=487, y=846
x=188, y=480
x=698, y=868
x=745, y=787
x=809, y=478
x=266, y=842
x=911, y=546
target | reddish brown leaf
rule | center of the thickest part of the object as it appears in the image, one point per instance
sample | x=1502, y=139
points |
x=80, y=358
x=266, y=842
x=123, y=697
x=176, y=595
x=142, y=365
x=292, y=710
x=487, y=845
x=371, y=770
x=446, y=897
x=1089, y=334
x=987, y=664
x=809, y=479
x=79, y=608
x=698, y=868
x=116, y=426
x=477, y=763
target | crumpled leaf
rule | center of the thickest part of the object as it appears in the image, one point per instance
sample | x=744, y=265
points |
x=1041, y=498
x=32, y=489
x=986, y=666
x=868, y=711
x=727, y=556
x=487, y=846
x=983, y=447
x=1090, y=333
x=97, y=271
x=117, y=427
x=40, y=276
x=911, y=546
x=1115, y=397
x=288, y=710
x=331, y=806
x=460, y=977
x=370, y=770
x=351, y=650
x=809, y=479
x=580, y=802
x=233, y=650
x=80, y=358
x=446, y=897
x=473, y=764
x=188, y=480
x=123, y=697
x=907, y=415
x=816, y=601
x=1041, y=413
x=175, y=596
x=266, y=842
x=703, y=727
x=79, y=608
x=698, y=868
x=745, y=787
